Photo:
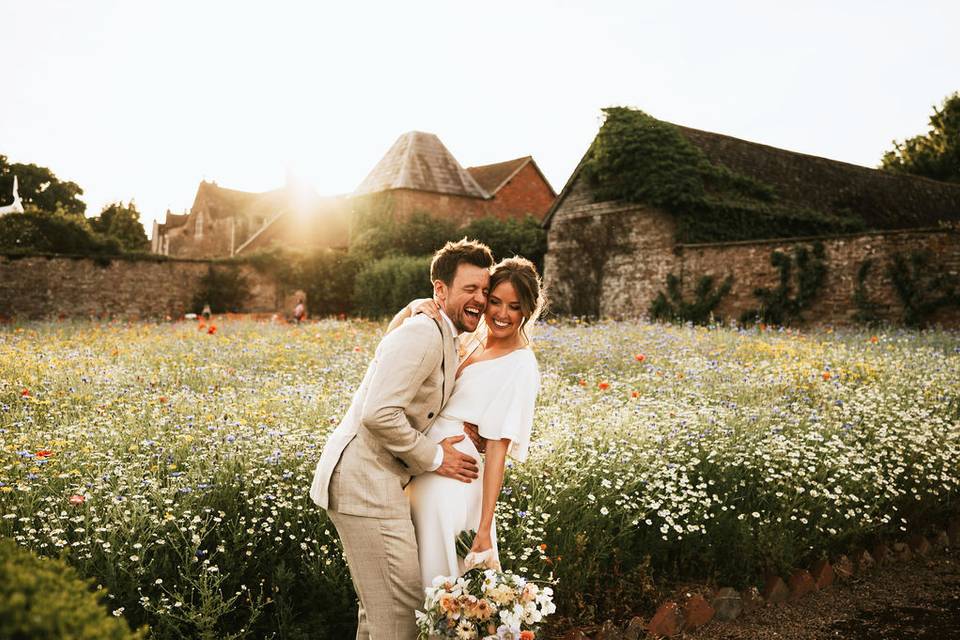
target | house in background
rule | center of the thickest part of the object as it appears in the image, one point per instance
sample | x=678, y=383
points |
x=417, y=174
x=613, y=258
x=226, y=222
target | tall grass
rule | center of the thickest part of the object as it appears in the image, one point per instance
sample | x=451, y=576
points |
x=173, y=464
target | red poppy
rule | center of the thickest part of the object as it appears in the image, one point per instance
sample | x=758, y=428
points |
x=77, y=499
x=24, y=393
x=635, y=394
x=603, y=386
x=212, y=330
x=44, y=453
x=640, y=357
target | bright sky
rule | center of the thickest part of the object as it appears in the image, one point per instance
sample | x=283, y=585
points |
x=143, y=100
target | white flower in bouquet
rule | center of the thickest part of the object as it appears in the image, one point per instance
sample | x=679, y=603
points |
x=508, y=632
x=483, y=604
x=466, y=630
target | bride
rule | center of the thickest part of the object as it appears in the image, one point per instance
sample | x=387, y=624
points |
x=494, y=395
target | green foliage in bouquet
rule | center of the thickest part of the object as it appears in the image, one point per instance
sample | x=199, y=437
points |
x=44, y=598
x=465, y=542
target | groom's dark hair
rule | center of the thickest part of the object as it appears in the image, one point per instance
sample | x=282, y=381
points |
x=446, y=260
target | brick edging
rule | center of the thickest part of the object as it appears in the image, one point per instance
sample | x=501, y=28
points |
x=727, y=604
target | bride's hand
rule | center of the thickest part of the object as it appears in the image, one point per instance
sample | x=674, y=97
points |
x=482, y=553
x=481, y=542
x=429, y=308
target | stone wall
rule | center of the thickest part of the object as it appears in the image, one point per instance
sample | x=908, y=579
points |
x=617, y=254
x=749, y=263
x=633, y=247
x=48, y=287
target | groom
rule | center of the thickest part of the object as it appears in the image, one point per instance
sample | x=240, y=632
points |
x=380, y=445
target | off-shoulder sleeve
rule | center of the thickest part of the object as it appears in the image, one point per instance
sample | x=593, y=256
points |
x=510, y=412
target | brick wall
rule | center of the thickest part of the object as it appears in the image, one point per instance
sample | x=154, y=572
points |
x=408, y=201
x=38, y=287
x=640, y=252
x=525, y=193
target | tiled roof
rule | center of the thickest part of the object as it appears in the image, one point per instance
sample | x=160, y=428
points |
x=175, y=220
x=419, y=161
x=493, y=176
x=221, y=202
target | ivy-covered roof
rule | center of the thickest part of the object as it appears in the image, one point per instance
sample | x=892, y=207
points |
x=722, y=188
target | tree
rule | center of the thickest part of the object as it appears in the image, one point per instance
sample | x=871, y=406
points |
x=510, y=237
x=420, y=234
x=37, y=231
x=122, y=222
x=41, y=188
x=934, y=155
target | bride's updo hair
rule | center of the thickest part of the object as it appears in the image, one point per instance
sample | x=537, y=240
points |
x=521, y=273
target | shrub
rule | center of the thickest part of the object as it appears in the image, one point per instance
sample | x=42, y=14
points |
x=383, y=287
x=923, y=286
x=224, y=288
x=511, y=237
x=781, y=304
x=44, y=598
x=420, y=234
x=672, y=305
x=423, y=233
x=45, y=232
x=326, y=276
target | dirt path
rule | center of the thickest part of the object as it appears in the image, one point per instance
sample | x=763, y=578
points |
x=915, y=600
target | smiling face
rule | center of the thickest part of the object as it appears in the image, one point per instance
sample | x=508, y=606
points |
x=504, y=315
x=466, y=297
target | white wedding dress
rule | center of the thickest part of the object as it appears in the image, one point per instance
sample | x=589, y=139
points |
x=498, y=396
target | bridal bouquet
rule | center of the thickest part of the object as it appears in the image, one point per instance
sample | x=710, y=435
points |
x=484, y=604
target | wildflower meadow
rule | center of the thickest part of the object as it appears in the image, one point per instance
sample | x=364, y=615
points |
x=171, y=464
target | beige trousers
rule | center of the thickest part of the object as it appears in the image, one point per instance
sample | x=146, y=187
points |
x=385, y=568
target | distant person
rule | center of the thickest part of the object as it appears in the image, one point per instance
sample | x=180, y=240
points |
x=206, y=313
x=299, y=312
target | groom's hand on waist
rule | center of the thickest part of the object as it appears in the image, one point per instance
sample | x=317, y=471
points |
x=457, y=465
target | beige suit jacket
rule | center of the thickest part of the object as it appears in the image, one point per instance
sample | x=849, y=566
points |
x=380, y=443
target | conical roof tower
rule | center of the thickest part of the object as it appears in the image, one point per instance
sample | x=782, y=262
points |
x=419, y=161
